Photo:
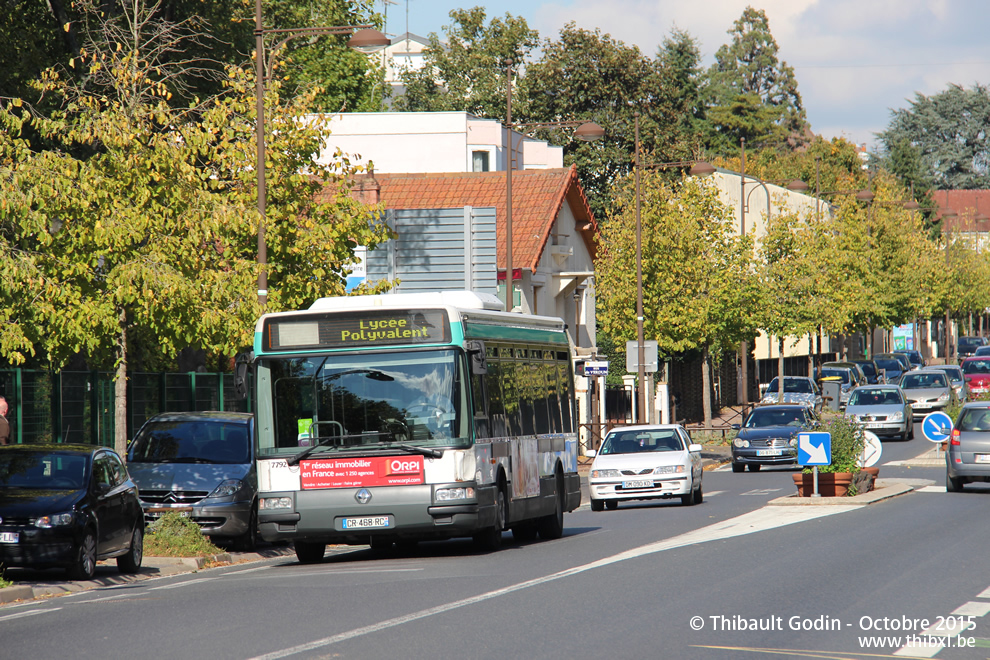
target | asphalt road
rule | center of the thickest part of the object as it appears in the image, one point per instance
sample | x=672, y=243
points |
x=649, y=580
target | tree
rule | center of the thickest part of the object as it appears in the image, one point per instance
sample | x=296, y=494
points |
x=750, y=93
x=949, y=133
x=139, y=221
x=698, y=288
x=466, y=72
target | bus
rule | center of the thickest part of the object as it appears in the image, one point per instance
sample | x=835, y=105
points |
x=397, y=418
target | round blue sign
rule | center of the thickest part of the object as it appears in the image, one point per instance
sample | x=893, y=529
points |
x=936, y=427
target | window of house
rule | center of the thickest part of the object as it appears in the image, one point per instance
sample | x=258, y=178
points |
x=479, y=161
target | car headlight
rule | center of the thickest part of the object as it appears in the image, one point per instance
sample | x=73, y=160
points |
x=227, y=488
x=58, y=520
x=794, y=442
x=448, y=494
x=896, y=417
x=944, y=396
x=669, y=469
x=604, y=474
x=739, y=442
x=271, y=503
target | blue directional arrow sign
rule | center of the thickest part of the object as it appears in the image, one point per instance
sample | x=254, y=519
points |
x=936, y=427
x=814, y=448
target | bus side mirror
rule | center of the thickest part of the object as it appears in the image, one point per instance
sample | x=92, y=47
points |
x=476, y=351
x=242, y=370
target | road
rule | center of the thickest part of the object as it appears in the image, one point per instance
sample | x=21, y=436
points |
x=649, y=580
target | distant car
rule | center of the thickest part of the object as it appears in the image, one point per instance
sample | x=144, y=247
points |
x=892, y=368
x=69, y=506
x=860, y=376
x=928, y=390
x=968, y=456
x=981, y=351
x=797, y=389
x=968, y=345
x=646, y=463
x=882, y=409
x=900, y=357
x=871, y=370
x=956, y=379
x=769, y=436
x=915, y=357
x=201, y=464
x=976, y=371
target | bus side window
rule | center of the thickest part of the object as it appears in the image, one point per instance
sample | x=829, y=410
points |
x=496, y=406
x=482, y=429
x=566, y=404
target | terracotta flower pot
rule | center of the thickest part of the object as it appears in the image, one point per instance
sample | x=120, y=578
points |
x=830, y=484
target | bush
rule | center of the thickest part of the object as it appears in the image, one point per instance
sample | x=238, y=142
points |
x=848, y=442
x=174, y=535
x=4, y=582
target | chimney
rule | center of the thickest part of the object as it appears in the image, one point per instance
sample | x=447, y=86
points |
x=368, y=190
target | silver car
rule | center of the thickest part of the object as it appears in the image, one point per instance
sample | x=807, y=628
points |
x=882, y=409
x=956, y=379
x=797, y=389
x=928, y=390
x=968, y=457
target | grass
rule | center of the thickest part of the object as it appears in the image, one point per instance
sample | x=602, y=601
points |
x=4, y=582
x=174, y=535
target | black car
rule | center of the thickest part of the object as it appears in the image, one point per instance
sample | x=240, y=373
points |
x=968, y=345
x=915, y=357
x=68, y=506
x=871, y=370
x=769, y=436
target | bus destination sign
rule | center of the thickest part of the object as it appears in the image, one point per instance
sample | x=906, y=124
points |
x=353, y=329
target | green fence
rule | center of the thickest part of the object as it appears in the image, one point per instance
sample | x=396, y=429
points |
x=77, y=406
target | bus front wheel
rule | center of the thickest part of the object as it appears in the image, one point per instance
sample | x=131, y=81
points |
x=310, y=553
x=552, y=526
x=491, y=539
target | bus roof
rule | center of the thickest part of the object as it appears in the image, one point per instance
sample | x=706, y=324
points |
x=459, y=299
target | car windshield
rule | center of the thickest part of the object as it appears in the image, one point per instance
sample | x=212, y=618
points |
x=41, y=470
x=835, y=374
x=918, y=381
x=791, y=385
x=954, y=373
x=762, y=418
x=974, y=419
x=867, y=368
x=976, y=367
x=875, y=397
x=191, y=441
x=633, y=442
x=889, y=364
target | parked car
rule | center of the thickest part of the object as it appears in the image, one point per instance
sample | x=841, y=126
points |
x=646, y=463
x=967, y=345
x=769, y=436
x=981, y=351
x=882, y=409
x=900, y=357
x=956, y=379
x=928, y=390
x=870, y=370
x=976, y=371
x=891, y=367
x=797, y=389
x=914, y=357
x=201, y=464
x=968, y=456
x=69, y=506
x=848, y=379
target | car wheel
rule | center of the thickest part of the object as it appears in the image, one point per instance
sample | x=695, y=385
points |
x=131, y=562
x=953, y=484
x=490, y=539
x=699, y=495
x=552, y=526
x=309, y=552
x=611, y=505
x=738, y=467
x=687, y=499
x=754, y=467
x=911, y=432
x=904, y=437
x=248, y=541
x=85, y=565
x=597, y=505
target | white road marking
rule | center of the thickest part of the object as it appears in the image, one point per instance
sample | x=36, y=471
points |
x=714, y=492
x=117, y=597
x=761, y=491
x=931, y=489
x=969, y=609
x=247, y=570
x=919, y=651
x=984, y=594
x=973, y=608
x=25, y=613
x=749, y=523
x=183, y=584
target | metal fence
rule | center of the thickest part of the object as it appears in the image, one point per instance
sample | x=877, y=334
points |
x=78, y=406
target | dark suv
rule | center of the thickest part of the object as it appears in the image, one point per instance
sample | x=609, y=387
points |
x=968, y=345
x=202, y=465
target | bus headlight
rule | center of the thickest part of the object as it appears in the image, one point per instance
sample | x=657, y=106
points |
x=449, y=494
x=271, y=503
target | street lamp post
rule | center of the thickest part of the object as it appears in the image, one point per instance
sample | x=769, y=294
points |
x=640, y=341
x=365, y=37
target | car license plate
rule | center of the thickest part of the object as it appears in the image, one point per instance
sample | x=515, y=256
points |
x=874, y=425
x=9, y=537
x=983, y=458
x=769, y=452
x=366, y=522
x=642, y=483
x=158, y=513
x=920, y=405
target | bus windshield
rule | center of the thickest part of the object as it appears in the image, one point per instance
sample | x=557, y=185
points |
x=363, y=401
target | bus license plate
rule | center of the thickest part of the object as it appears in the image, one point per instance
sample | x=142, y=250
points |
x=366, y=522
x=9, y=537
x=643, y=483
x=769, y=452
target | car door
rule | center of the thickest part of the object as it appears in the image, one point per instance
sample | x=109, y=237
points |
x=108, y=504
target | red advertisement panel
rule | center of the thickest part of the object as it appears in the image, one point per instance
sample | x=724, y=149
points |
x=362, y=471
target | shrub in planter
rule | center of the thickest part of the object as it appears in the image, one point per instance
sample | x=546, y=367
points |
x=848, y=442
x=174, y=535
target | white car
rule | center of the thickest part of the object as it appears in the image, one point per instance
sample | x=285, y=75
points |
x=646, y=463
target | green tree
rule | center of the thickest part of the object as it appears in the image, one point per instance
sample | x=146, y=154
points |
x=139, y=221
x=467, y=70
x=751, y=93
x=949, y=133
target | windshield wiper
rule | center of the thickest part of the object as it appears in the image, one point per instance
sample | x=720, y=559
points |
x=327, y=440
x=429, y=452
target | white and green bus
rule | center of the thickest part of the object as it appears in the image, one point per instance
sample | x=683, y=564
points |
x=399, y=418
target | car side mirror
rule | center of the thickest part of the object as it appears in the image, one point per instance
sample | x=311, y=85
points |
x=736, y=427
x=694, y=448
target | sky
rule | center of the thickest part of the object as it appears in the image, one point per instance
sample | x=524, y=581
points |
x=855, y=60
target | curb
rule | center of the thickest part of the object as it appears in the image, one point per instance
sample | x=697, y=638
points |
x=885, y=490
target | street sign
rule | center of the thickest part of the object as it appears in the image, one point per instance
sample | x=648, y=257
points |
x=596, y=368
x=814, y=448
x=936, y=427
x=649, y=356
x=871, y=450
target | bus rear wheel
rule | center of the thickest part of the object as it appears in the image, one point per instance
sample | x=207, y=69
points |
x=552, y=526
